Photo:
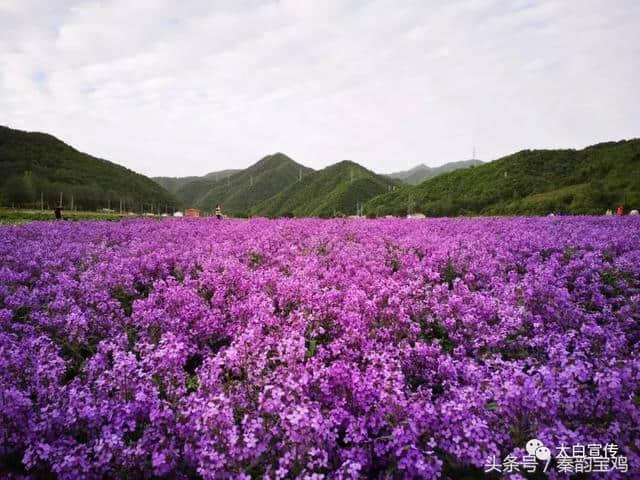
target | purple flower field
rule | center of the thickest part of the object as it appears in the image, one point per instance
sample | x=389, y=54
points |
x=315, y=348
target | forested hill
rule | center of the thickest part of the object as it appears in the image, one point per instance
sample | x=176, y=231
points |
x=239, y=192
x=174, y=184
x=337, y=189
x=530, y=182
x=36, y=163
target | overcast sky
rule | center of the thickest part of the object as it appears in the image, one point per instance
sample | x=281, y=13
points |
x=178, y=88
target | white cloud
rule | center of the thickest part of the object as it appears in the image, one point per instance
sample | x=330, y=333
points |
x=170, y=88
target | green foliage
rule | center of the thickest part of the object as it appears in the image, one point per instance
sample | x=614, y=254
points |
x=615, y=282
x=449, y=273
x=435, y=332
x=36, y=163
x=530, y=182
x=192, y=383
x=325, y=193
x=255, y=260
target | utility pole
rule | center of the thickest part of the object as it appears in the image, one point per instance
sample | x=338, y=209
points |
x=41, y=201
x=71, y=202
x=60, y=205
x=299, y=174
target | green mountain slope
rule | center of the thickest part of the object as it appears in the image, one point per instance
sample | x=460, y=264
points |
x=173, y=184
x=420, y=173
x=530, y=182
x=36, y=163
x=337, y=189
x=239, y=192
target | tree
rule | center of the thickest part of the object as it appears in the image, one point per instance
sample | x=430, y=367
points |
x=18, y=191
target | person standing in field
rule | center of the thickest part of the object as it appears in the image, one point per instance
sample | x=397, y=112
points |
x=620, y=211
x=218, y=212
x=58, y=212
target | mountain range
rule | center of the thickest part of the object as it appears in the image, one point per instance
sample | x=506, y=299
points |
x=238, y=192
x=420, y=173
x=38, y=167
x=173, y=184
x=278, y=186
x=529, y=182
x=341, y=188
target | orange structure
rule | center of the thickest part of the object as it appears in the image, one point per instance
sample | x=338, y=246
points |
x=192, y=212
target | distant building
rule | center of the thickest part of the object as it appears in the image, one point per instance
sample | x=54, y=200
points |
x=417, y=215
x=192, y=212
x=178, y=214
x=633, y=212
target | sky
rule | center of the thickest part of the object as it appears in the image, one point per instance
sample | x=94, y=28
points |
x=185, y=88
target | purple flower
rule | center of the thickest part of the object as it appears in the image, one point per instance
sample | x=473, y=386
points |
x=314, y=349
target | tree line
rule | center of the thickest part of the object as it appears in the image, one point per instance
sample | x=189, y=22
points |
x=31, y=191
